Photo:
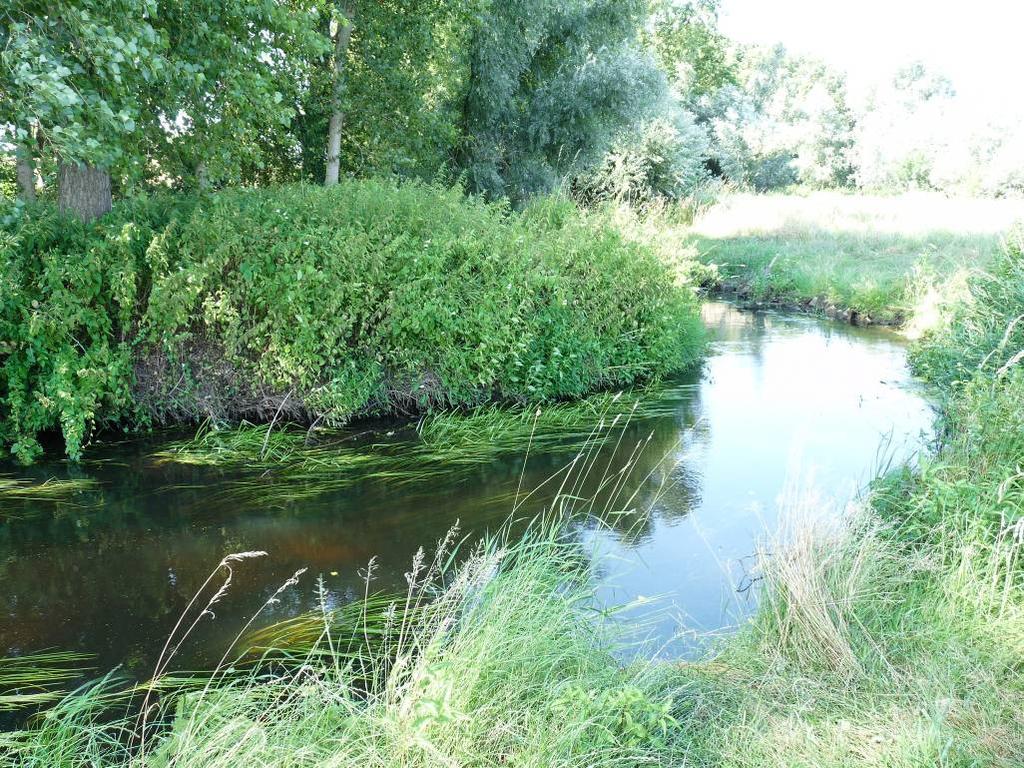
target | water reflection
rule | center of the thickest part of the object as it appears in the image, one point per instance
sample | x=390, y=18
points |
x=110, y=571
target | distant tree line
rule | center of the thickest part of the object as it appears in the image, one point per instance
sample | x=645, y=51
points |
x=624, y=99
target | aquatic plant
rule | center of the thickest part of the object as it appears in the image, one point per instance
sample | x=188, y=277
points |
x=284, y=464
x=27, y=497
x=51, y=489
x=38, y=678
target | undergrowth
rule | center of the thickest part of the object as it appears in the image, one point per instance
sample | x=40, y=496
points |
x=318, y=305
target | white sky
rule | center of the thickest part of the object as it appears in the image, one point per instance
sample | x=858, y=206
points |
x=979, y=45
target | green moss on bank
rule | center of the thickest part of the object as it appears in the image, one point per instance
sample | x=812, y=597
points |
x=319, y=305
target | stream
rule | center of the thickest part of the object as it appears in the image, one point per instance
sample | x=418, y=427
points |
x=782, y=401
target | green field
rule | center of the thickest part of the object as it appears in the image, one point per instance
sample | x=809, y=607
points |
x=882, y=258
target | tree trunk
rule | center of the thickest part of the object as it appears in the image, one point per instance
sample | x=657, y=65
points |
x=83, y=190
x=26, y=173
x=341, y=42
x=202, y=176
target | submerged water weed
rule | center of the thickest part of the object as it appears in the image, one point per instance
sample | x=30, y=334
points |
x=39, y=678
x=22, y=497
x=288, y=464
x=51, y=489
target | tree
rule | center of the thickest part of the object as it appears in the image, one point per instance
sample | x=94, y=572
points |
x=698, y=58
x=550, y=86
x=786, y=122
x=381, y=98
x=907, y=135
x=116, y=86
x=26, y=172
x=342, y=39
x=77, y=72
x=223, y=100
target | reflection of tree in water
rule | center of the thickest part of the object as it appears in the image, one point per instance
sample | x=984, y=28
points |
x=646, y=473
x=111, y=572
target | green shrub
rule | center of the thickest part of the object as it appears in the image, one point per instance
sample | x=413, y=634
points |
x=321, y=304
x=69, y=296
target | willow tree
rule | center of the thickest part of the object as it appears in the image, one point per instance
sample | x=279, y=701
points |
x=551, y=84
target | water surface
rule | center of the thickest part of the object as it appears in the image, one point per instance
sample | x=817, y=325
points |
x=779, y=394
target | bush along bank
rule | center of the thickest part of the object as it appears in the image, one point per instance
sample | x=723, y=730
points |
x=319, y=305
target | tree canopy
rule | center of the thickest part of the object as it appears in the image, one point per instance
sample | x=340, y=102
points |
x=610, y=98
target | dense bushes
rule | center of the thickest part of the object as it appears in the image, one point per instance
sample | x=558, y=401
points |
x=321, y=304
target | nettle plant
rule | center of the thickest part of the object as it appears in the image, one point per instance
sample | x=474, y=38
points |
x=368, y=297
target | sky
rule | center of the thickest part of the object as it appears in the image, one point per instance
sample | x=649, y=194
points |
x=979, y=45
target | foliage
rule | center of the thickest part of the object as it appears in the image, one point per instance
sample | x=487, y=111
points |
x=81, y=73
x=106, y=82
x=412, y=51
x=68, y=304
x=983, y=333
x=662, y=160
x=786, y=122
x=550, y=86
x=685, y=39
x=371, y=297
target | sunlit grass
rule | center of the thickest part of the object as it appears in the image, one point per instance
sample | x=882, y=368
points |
x=877, y=257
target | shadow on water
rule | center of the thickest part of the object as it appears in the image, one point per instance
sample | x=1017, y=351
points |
x=107, y=565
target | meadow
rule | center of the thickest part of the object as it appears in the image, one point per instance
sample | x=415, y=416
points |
x=869, y=258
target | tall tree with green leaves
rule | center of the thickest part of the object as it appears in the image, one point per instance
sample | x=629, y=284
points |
x=120, y=86
x=224, y=99
x=685, y=39
x=551, y=84
x=78, y=72
x=381, y=99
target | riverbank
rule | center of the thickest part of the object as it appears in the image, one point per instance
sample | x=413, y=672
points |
x=892, y=637
x=314, y=305
x=857, y=258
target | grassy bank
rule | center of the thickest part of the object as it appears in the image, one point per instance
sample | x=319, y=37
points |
x=859, y=257
x=891, y=637
x=314, y=305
